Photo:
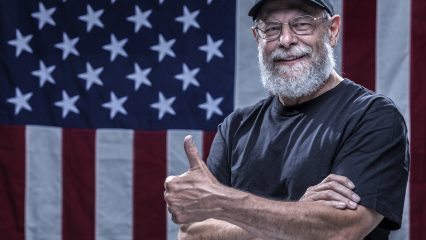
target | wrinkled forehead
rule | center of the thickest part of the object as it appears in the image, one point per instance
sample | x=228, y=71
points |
x=302, y=6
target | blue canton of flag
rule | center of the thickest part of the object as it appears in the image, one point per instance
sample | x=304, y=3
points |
x=149, y=65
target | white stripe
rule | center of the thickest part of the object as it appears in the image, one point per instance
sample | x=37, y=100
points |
x=248, y=88
x=43, y=203
x=177, y=163
x=393, y=67
x=393, y=52
x=114, y=176
x=338, y=10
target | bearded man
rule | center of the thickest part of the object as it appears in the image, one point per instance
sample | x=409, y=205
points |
x=289, y=166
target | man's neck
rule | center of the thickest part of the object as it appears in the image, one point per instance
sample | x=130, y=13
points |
x=331, y=83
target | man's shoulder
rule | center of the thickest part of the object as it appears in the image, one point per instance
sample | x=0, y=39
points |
x=367, y=99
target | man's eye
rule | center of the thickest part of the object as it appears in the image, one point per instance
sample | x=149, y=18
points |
x=272, y=29
x=302, y=25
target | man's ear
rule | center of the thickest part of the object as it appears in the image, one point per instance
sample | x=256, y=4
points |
x=253, y=31
x=334, y=29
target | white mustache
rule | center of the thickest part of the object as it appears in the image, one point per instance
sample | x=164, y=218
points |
x=294, y=53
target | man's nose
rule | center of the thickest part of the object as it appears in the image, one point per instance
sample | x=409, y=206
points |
x=287, y=37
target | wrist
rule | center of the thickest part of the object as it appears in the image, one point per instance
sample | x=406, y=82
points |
x=229, y=202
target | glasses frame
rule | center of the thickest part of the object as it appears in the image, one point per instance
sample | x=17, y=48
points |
x=289, y=23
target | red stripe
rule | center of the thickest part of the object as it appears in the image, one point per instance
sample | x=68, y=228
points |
x=12, y=182
x=359, y=42
x=207, y=142
x=150, y=168
x=78, y=190
x=418, y=121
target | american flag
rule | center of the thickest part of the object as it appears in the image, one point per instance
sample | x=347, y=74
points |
x=96, y=97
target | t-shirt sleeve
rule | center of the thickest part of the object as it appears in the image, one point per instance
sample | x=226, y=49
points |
x=218, y=161
x=375, y=156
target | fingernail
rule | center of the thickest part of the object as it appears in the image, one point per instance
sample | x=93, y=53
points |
x=352, y=204
x=356, y=198
x=351, y=184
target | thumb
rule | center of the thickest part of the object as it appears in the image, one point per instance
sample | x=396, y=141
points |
x=192, y=153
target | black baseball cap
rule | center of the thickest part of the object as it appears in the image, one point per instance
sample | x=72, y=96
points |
x=326, y=4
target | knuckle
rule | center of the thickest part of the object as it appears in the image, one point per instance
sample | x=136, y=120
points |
x=170, y=186
x=178, y=218
x=328, y=185
x=317, y=187
x=168, y=198
x=329, y=193
x=332, y=185
x=169, y=179
x=329, y=178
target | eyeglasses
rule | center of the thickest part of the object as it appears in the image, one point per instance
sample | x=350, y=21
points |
x=303, y=25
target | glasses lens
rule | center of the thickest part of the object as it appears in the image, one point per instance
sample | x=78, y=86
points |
x=303, y=25
x=269, y=30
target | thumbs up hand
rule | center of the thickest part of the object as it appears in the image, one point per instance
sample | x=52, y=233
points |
x=190, y=197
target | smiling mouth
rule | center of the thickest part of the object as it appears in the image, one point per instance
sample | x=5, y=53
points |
x=289, y=59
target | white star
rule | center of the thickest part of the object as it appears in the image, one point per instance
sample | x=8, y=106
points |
x=164, y=105
x=140, y=76
x=212, y=48
x=188, y=77
x=92, y=18
x=161, y=1
x=115, y=105
x=140, y=19
x=164, y=48
x=113, y=1
x=68, y=46
x=209, y=1
x=21, y=43
x=211, y=106
x=67, y=104
x=44, y=74
x=21, y=101
x=116, y=47
x=188, y=19
x=91, y=76
x=44, y=15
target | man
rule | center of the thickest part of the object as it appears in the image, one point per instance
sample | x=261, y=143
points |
x=315, y=125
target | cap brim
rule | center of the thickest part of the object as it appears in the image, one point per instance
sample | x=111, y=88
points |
x=255, y=9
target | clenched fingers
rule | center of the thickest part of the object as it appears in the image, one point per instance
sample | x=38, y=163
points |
x=335, y=191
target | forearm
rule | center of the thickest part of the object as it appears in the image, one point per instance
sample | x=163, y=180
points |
x=292, y=220
x=213, y=229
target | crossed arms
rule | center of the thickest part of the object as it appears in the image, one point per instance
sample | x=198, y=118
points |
x=209, y=210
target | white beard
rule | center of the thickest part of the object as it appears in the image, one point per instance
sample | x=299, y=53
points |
x=302, y=79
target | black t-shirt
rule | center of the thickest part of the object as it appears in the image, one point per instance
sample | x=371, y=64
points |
x=278, y=152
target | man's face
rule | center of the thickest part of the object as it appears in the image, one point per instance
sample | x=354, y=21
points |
x=292, y=65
